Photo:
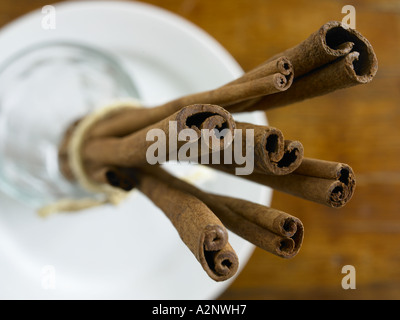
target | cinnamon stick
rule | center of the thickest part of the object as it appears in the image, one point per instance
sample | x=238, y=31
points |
x=328, y=183
x=272, y=154
x=330, y=59
x=274, y=76
x=201, y=231
x=272, y=230
x=132, y=150
x=279, y=65
x=338, y=75
x=325, y=169
x=329, y=42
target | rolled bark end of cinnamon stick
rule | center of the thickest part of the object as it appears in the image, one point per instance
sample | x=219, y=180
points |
x=358, y=74
x=222, y=264
x=328, y=183
x=197, y=116
x=272, y=230
x=297, y=238
x=333, y=41
x=272, y=154
x=337, y=195
x=285, y=247
x=214, y=119
x=288, y=230
x=341, y=175
x=280, y=82
x=215, y=237
x=288, y=227
x=201, y=231
x=290, y=246
x=292, y=157
x=216, y=255
x=279, y=65
x=284, y=66
x=291, y=154
x=268, y=149
x=281, y=246
x=340, y=41
x=342, y=190
x=272, y=144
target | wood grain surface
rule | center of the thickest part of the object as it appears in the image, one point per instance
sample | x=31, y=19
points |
x=359, y=126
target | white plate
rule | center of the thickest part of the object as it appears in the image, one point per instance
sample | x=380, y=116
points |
x=132, y=251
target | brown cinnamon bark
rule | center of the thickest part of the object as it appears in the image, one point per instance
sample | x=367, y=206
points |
x=328, y=183
x=263, y=146
x=275, y=76
x=131, y=151
x=338, y=75
x=279, y=65
x=328, y=43
x=272, y=154
x=270, y=229
x=330, y=59
x=201, y=231
x=324, y=169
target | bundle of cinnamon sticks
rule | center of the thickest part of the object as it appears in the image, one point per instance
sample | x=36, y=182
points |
x=116, y=150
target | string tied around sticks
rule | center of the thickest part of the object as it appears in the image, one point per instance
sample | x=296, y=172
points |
x=102, y=193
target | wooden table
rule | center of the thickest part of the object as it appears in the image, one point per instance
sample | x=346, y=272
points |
x=359, y=126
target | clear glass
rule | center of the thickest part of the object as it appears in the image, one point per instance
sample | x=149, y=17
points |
x=43, y=89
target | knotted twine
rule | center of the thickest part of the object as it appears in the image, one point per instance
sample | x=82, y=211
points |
x=102, y=193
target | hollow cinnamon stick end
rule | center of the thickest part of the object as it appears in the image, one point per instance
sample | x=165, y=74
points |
x=280, y=82
x=215, y=238
x=287, y=226
x=331, y=38
x=196, y=114
x=213, y=118
x=289, y=247
x=339, y=40
x=222, y=264
x=362, y=67
x=342, y=190
x=285, y=67
x=292, y=156
x=274, y=144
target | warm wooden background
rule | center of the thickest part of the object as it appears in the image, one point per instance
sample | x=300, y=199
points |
x=359, y=126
